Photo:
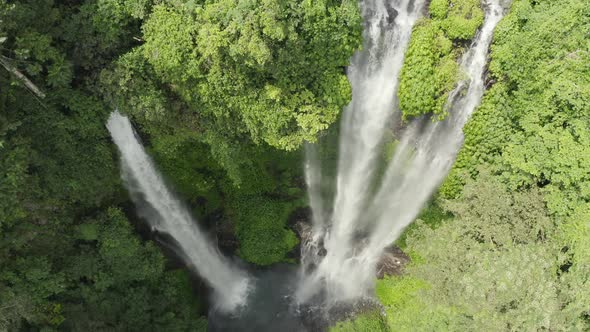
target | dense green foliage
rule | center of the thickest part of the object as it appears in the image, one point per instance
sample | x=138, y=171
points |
x=67, y=259
x=366, y=322
x=430, y=69
x=224, y=93
x=260, y=229
x=214, y=87
x=495, y=263
x=532, y=129
x=239, y=72
x=514, y=252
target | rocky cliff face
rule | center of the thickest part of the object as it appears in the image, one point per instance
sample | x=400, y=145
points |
x=392, y=261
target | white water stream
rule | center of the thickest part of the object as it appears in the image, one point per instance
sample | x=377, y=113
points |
x=168, y=215
x=363, y=224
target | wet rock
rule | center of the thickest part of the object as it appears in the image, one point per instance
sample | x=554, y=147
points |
x=299, y=217
x=391, y=12
x=225, y=235
x=392, y=262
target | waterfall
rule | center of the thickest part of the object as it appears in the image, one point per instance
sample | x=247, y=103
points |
x=313, y=178
x=373, y=75
x=363, y=224
x=348, y=237
x=427, y=151
x=168, y=215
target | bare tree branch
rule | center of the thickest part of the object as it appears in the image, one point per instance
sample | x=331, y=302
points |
x=27, y=82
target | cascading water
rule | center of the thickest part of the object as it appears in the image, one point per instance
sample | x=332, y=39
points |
x=373, y=75
x=361, y=222
x=170, y=216
x=421, y=161
x=313, y=180
x=417, y=169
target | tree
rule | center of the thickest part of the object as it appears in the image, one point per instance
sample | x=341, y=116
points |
x=116, y=282
x=495, y=263
x=532, y=129
x=67, y=260
x=430, y=69
x=241, y=72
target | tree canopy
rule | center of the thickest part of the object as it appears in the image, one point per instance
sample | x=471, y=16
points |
x=511, y=251
x=215, y=87
x=224, y=93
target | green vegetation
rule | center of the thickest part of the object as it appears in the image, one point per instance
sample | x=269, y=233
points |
x=214, y=87
x=366, y=322
x=260, y=229
x=234, y=73
x=494, y=263
x=430, y=68
x=224, y=93
x=505, y=244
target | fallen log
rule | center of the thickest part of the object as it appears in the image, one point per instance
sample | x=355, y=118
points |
x=20, y=76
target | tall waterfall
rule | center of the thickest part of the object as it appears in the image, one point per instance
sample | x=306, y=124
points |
x=363, y=222
x=170, y=216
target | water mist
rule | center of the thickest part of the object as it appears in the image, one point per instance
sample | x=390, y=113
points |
x=168, y=215
x=363, y=223
x=350, y=232
x=373, y=75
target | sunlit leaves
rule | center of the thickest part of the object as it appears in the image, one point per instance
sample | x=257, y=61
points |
x=532, y=130
x=495, y=262
x=169, y=44
x=273, y=67
x=463, y=18
x=430, y=68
